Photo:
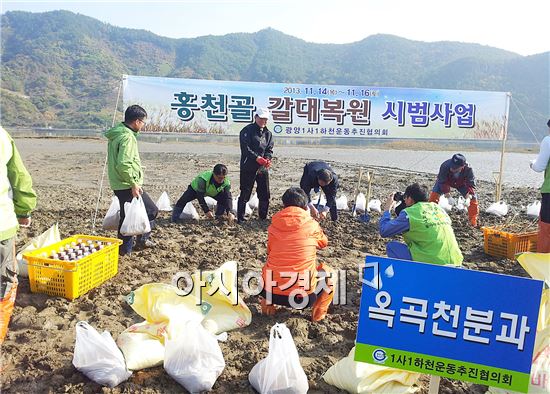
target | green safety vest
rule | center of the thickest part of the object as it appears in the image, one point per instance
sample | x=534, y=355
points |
x=545, y=188
x=431, y=238
x=211, y=189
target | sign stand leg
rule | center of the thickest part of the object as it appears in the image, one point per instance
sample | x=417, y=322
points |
x=434, y=384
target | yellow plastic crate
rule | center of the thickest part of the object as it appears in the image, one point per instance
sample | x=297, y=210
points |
x=71, y=279
x=500, y=243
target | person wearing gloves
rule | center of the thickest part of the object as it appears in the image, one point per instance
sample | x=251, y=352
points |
x=319, y=174
x=542, y=163
x=215, y=184
x=17, y=200
x=256, y=143
x=126, y=174
x=426, y=229
x=457, y=173
x=292, y=275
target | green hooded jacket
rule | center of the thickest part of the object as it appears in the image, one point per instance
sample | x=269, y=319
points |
x=124, y=164
x=17, y=197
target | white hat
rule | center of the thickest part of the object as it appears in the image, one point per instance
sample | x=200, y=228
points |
x=263, y=113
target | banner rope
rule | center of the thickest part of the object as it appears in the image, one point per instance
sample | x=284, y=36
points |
x=94, y=218
x=524, y=120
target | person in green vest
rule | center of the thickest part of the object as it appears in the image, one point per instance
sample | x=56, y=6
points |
x=542, y=164
x=426, y=229
x=215, y=184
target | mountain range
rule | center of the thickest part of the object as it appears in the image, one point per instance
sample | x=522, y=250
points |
x=60, y=69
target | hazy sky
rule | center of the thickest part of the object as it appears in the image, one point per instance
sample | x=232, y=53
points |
x=517, y=26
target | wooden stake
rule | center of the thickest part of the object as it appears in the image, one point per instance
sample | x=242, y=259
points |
x=370, y=177
x=357, y=191
x=434, y=384
x=503, y=150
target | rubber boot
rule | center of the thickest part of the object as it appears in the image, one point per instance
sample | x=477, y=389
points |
x=176, y=212
x=473, y=212
x=543, y=240
x=263, y=208
x=268, y=310
x=324, y=298
x=434, y=197
x=241, y=209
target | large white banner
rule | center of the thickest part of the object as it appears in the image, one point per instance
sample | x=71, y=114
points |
x=225, y=107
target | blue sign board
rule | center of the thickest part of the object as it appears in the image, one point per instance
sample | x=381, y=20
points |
x=448, y=321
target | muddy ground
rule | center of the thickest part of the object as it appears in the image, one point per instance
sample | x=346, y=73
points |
x=37, y=353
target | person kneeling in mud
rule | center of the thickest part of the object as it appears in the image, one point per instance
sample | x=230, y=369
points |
x=425, y=226
x=213, y=184
x=292, y=277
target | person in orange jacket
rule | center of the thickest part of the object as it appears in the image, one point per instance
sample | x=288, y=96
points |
x=292, y=276
x=457, y=173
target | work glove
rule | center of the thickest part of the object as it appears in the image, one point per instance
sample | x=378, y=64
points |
x=268, y=164
x=261, y=161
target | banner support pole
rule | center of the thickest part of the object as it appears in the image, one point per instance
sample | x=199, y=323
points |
x=498, y=192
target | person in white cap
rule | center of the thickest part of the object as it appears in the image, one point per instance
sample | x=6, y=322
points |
x=256, y=154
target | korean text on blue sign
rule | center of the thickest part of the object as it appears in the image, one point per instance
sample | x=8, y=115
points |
x=458, y=323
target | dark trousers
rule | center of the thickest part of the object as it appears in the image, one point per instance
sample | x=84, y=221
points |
x=223, y=199
x=247, y=180
x=152, y=212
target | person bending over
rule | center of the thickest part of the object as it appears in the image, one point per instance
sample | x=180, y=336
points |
x=215, y=184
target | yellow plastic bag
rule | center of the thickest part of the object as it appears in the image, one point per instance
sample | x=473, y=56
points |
x=357, y=377
x=216, y=304
x=538, y=266
x=143, y=345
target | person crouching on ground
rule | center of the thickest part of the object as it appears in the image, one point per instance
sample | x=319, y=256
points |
x=215, y=184
x=426, y=229
x=457, y=173
x=292, y=277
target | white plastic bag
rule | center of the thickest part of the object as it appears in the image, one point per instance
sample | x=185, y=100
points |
x=136, y=221
x=247, y=211
x=280, y=371
x=360, y=202
x=48, y=237
x=375, y=205
x=163, y=203
x=194, y=359
x=342, y=203
x=533, y=209
x=498, y=208
x=112, y=217
x=461, y=204
x=445, y=203
x=211, y=202
x=189, y=212
x=97, y=356
x=253, y=202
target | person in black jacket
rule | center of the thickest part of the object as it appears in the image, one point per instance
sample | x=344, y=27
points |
x=256, y=154
x=319, y=174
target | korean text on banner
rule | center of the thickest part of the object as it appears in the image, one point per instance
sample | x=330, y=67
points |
x=298, y=110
